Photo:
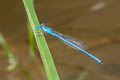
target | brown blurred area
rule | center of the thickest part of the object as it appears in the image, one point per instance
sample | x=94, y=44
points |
x=96, y=22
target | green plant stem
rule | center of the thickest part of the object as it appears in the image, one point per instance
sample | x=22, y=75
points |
x=41, y=42
x=31, y=39
x=13, y=62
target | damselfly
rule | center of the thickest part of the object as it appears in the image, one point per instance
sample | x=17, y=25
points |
x=74, y=43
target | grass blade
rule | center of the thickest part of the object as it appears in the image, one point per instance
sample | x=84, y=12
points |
x=13, y=62
x=41, y=42
x=31, y=39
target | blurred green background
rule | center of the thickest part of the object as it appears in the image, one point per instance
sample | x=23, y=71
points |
x=96, y=22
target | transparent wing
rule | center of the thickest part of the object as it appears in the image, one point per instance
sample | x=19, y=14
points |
x=81, y=44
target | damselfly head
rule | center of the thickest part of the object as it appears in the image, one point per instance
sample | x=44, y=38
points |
x=42, y=24
x=40, y=27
